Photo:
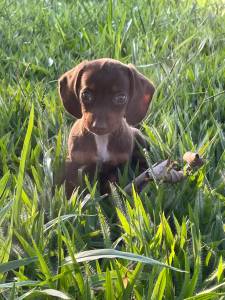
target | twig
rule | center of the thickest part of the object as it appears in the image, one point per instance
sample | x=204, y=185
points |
x=165, y=173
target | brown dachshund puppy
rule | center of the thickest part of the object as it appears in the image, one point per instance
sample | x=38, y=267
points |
x=108, y=98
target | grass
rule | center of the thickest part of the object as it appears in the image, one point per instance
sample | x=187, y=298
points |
x=54, y=248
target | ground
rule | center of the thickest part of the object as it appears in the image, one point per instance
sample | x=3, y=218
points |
x=180, y=46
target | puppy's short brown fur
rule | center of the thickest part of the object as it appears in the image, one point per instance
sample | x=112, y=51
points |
x=108, y=98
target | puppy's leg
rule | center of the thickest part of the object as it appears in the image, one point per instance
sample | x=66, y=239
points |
x=108, y=174
x=74, y=176
x=71, y=177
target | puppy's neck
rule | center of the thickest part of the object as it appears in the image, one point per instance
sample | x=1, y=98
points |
x=110, y=143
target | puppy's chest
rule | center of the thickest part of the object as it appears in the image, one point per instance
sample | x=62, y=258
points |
x=103, y=153
x=111, y=151
x=100, y=149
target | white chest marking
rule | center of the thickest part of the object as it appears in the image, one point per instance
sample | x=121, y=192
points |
x=102, y=147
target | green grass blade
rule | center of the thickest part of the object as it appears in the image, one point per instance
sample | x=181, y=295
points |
x=3, y=182
x=15, y=264
x=111, y=253
x=24, y=153
x=25, y=283
x=48, y=292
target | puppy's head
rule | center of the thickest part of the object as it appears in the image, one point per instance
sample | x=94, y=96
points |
x=102, y=92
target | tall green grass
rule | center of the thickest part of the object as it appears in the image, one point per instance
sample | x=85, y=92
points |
x=112, y=248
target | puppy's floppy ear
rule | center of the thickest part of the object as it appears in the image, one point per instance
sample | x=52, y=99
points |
x=69, y=88
x=141, y=94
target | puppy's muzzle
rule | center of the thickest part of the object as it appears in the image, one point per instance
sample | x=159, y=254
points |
x=99, y=127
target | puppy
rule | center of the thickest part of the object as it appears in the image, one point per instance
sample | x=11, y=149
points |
x=108, y=98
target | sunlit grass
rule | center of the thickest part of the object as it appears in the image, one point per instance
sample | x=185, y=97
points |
x=179, y=45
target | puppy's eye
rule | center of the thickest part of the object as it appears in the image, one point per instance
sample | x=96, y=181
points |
x=120, y=99
x=86, y=97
